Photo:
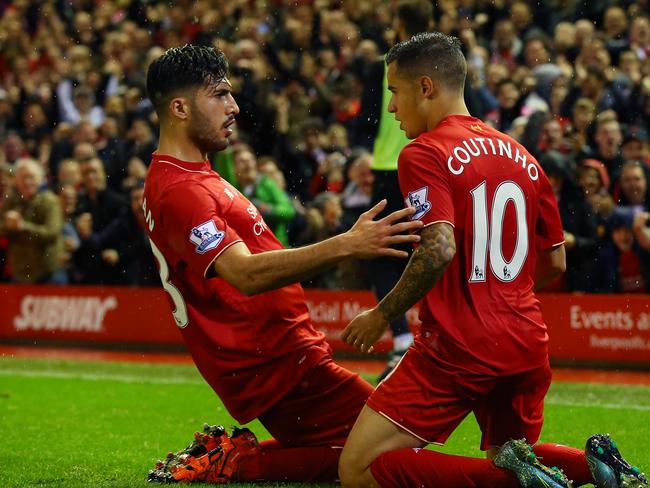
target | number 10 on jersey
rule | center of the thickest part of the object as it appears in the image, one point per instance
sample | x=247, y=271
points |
x=488, y=232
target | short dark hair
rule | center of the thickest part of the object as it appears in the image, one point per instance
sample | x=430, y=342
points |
x=414, y=15
x=180, y=68
x=431, y=54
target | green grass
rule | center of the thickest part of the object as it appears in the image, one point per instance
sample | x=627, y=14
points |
x=80, y=424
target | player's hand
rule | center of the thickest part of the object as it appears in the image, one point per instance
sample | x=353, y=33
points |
x=369, y=238
x=365, y=330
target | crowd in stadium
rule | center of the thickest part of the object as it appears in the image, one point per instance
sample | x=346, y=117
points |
x=570, y=80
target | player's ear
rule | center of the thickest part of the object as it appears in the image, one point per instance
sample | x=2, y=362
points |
x=428, y=88
x=179, y=108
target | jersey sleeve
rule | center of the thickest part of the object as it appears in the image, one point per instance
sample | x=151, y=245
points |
x=424, y=183
x=194, y=225
x=548, y=228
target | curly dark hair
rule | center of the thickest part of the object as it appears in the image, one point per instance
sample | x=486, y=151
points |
x=431, y=54
x=180, y=68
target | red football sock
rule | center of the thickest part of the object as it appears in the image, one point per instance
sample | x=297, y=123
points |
x=306, y=464
x=421, y=467
x=569, y=459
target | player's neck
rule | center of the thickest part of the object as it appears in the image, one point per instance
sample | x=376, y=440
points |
x=177, y=145
x=445, y=108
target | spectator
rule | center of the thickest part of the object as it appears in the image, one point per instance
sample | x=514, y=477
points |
x=303, y=163
x=510, y=104
x=635, y=146
x=97, y=208
x=505, y=45
x=135, y=172
x=522, y=18
x=583, y=115
x=640, y=36
x=6, y=182
x=591, y=82
x=625, y=265
x=615, y=25
x=71, y=242
x=31, y=220
x=69, y=174
x=579, y=224
x=269, y=167
x=537, y=57
x=7, y=114
x=6, y=188
x=274, y=204
x=329, y=175
x=81, y=107
x=356, y=197
x=13, y=148
x=634, y=186
x=36, y=131
x=141, y=141
x=124, y=246
x=564, y=41
x=608, y=138
x=323, y=220
x=594, y=181
x=552, y=138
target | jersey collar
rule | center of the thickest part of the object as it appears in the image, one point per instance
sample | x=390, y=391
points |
x=186, y=165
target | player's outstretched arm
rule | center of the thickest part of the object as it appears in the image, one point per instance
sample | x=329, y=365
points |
x=436, y=250
x=550, y=264
x=368, y=238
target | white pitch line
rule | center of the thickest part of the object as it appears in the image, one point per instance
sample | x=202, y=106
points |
x=186, y=381
x=610, y=406
x=99, y=377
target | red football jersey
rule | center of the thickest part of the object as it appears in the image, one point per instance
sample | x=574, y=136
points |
x=482, y=316
x=251, y=350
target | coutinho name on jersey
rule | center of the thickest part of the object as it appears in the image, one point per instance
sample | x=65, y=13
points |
x=468, y=149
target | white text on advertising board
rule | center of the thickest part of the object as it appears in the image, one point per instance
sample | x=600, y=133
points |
x=63, y=313
x=327, y=312
x=611, y=320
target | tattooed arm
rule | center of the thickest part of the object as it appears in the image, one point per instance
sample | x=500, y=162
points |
x=426, y=266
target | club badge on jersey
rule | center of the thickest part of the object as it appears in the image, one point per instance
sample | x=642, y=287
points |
x=418, y=200
x=206, y=236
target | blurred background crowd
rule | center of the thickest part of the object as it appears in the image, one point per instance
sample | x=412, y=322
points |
x=569, y=79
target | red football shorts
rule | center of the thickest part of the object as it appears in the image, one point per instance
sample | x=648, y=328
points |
x=430, y=402
x=320, y=410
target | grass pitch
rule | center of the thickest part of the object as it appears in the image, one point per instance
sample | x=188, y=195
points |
x=80, y=424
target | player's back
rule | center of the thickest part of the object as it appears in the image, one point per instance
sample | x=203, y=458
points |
x=483, y=311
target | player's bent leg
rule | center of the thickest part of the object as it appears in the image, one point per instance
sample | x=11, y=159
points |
x=372, y=435
x=571, y=460
x=293, y=464
x=309, y=426
x=381, y=454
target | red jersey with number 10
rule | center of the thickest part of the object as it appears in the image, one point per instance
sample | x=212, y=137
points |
x=251, y=350
x=482, y=316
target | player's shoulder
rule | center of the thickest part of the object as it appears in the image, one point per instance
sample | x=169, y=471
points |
x=422, y=149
